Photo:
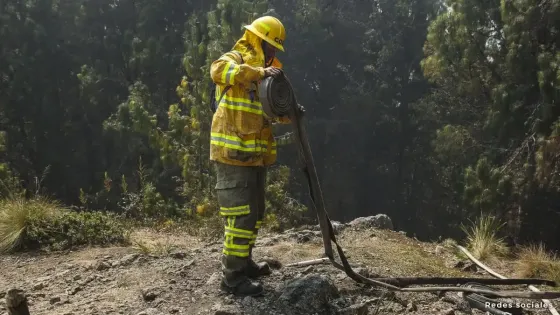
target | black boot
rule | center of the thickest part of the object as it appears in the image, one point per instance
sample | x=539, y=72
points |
x=244, y=288
x=255, y=270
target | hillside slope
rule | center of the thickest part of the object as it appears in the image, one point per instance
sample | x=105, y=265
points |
x=179, y=274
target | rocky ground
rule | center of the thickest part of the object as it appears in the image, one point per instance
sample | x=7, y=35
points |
x=179, y=274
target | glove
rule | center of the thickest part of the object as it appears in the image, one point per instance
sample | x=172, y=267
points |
x=272, y=72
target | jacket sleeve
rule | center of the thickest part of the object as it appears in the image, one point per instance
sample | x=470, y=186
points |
x=228, y=71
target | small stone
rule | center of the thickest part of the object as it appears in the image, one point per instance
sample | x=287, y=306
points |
x=43, y=279
x=214, y=279
x=39, y=286
x=149, y=294
x=307, y=270
x=302, y=238
x=469, y=267
x=87, y=280
x=364, y=272
x=248, y=300
x=172, y=281
x=449, y=311
x=128, y=259
x=178, y=255
x=225, y=310
x=411, y=307
x=55, y=299
x=74, y=290
x=102, y=265
x=358, y=309
x=62, y=273
x=77, y=277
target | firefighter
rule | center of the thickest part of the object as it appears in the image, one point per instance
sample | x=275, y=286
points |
x=242, y=145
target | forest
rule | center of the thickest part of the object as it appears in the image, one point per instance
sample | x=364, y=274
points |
x=432, y=112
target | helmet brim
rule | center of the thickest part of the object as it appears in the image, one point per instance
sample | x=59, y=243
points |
x=253, y=30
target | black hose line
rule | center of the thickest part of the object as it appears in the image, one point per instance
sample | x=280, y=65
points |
x=491, y=306
x=277, y=97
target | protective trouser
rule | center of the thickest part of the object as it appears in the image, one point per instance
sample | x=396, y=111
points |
x=241, y=195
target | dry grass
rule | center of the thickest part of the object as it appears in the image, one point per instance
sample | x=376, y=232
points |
x=535, y=261
x=17, y=213
x=401, y=255
x=396, y=254
x=482, y=239
x=147, y=241
x=287, y=252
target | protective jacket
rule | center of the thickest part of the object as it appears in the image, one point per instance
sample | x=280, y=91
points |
x=241, y=132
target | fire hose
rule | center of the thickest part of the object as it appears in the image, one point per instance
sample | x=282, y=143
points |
x=279, y=100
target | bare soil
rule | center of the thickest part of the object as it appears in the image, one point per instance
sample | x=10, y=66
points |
x=179, y=274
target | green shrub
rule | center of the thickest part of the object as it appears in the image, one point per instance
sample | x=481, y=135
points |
x=282, y=211
x=40, y=223
x=73, y=229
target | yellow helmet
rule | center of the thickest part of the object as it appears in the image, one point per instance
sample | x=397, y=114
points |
x=269, y=29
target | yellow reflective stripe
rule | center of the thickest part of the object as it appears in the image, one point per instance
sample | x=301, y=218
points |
x=231, y=249
x=234, y=234
x=242, y=104
x=236, y=247
x=273, y=152
x=225, y=72
x=224, y=143
x=229, y=72
x=265, y=26
x=258, y=225
x=240, y=210
x=236, y=143
x=253, y=239
x=239, y=232
x=225, y=214
x=233, y=252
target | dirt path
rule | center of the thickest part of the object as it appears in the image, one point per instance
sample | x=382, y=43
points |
x=178, y=274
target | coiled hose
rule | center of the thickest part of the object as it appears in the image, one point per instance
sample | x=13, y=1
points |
x=277, y=97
